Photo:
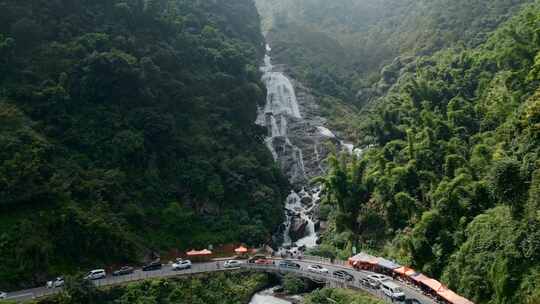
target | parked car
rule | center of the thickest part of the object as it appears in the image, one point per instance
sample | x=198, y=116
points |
x=3, y=295
x=378, y=279
x=289, y=264
x=152, y=266
x=181, y=264
x=95, y=274
x=232, y=264
x=412, y=301
x=365, y=282
x=123, y=271
x=58, y=282
x=317, y=269
x=370, y=283
x=392, y=290
x=257, y=257
x=264, y=262
x=343, y=275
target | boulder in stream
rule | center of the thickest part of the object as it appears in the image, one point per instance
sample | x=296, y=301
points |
x=297, y=229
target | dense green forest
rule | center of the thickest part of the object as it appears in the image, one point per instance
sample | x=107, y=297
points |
x=126, y=126
x=449, y=183
x=222, y=288
x=339, y=47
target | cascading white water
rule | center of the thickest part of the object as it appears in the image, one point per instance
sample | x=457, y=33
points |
x=280, y=108
x=292, y=135
x=267, y=297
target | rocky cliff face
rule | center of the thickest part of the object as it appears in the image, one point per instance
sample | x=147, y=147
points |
x=299, y=142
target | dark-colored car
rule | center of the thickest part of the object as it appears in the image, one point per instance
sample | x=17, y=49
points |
x=412, y=301
x=123, y=271
x=370, y=283
x=365, y=282
x=256, y=257
x=289, y=264
x=264, y=262
x=343, y=275
x=152, y=266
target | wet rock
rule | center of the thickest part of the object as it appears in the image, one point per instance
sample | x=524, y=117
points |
x=297, y=229
x=306, y=200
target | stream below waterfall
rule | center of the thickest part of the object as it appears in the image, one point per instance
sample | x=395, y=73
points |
x=267, y=297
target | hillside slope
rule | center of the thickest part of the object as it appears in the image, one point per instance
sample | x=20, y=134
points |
x=127, y=127
x=450, y=182
x=339, y=47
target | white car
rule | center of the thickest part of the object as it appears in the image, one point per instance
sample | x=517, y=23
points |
x=317, y=269
x=3, y=295
x=181, y=264
x=378, y=279
x=58, y=282
x=96, y=274
x=232, y=264
x=393, y=291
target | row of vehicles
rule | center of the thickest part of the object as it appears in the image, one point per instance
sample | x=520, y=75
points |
x=374, y=281
x=98, y=274
x=385, y=284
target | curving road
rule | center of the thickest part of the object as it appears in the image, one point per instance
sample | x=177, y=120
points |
x=167, y=271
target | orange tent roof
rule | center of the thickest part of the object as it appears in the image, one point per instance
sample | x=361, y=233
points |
x=405, y=271
x=452, y=297
x=198, y=253
x=429, y=282
x=241, y=249
x=363, y=258
x=441, y=290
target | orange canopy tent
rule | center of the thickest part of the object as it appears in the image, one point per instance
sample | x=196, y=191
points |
x=363, y=258
x=241, y=250
x=452, y=297
x=429, y=282
x=199, y=253
x=405, y=271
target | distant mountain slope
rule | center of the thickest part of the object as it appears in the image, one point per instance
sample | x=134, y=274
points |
x=449, y=183
x=127, y=126
x=369, y=34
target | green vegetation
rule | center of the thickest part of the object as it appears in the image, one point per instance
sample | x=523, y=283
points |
x=451, y=182
x=340, y=296
x=294, y=284
x=352, y=51
x=339, y=47
x=223, y=288
x=126, y=126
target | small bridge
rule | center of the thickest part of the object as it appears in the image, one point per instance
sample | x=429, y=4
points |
x=335, y=282
x=211, y=267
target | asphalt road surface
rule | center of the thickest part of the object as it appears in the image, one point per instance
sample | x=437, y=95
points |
x=167, y=271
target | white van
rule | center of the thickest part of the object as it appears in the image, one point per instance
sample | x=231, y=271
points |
x=392, y=290
x=96, y=274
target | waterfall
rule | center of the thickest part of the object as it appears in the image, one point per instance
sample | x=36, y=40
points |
x=297, y=139
x=281, y=106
